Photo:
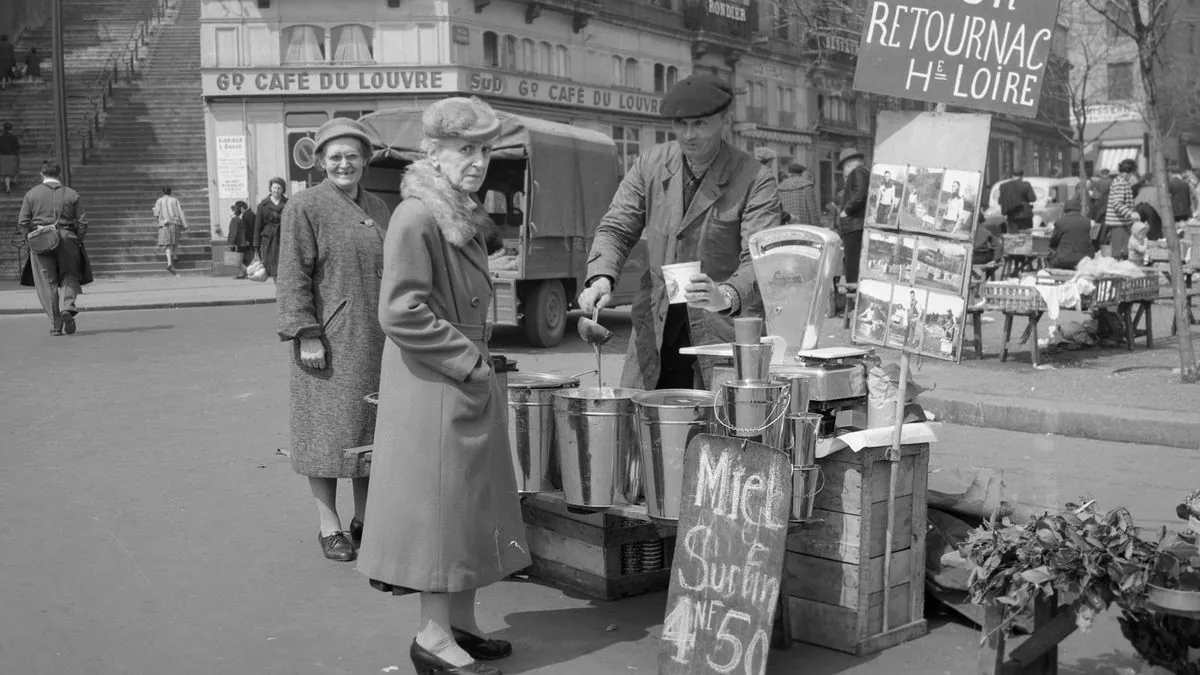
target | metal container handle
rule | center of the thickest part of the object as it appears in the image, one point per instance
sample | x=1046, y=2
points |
x=820, y=474
x=782, y=403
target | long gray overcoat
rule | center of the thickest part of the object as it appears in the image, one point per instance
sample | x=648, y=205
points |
x=443, y=514
x=737, y=198
x=330, y=264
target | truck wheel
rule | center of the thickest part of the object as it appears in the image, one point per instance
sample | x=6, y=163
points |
x=545, y=309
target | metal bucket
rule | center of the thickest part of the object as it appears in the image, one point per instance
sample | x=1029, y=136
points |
x=753, y=410
x=807, y=481
x=667, y=420
x=531, y=429
x=802, y=430
x=596, y=429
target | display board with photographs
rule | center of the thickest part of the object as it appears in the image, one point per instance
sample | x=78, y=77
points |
x=919, y=231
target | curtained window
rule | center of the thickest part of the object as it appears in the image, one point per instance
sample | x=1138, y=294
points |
x=352, y=44
x=633, y=77
x=545, y=58
x=527, y=62
x=509, y=57
x=491, y=50
x=672, y=77
x=618, y=71
x=303, y=44
x=562, y=62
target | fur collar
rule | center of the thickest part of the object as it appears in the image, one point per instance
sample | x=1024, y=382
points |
x=453, y=211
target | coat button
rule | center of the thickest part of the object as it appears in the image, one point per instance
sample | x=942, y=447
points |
x=474, y=302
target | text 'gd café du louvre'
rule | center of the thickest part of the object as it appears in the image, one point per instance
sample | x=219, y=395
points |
x=979, y=49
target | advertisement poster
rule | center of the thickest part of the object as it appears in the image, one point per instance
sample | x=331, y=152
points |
x=232, y=180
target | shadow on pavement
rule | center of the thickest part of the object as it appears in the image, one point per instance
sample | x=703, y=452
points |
x=1114, y=662
x=130, y=329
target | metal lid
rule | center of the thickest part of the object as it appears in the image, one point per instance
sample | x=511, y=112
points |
x=599, y=393
x=676, y=398
x=540, y=381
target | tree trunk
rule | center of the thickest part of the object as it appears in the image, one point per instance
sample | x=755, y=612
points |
x=1187, y=355
x=1085, y=196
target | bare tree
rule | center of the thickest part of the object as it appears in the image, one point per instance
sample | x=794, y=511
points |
x=1148, y=24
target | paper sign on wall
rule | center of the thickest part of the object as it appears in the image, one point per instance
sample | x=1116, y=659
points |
x=232, y=180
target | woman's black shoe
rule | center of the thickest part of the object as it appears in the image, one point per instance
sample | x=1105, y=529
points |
x=356, y=529
x=337, y=546
x=482, y=649
x=427, y=663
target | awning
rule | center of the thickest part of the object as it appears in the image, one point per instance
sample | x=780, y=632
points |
x=1110, y=158
x=1193, y=155
x=777, y=136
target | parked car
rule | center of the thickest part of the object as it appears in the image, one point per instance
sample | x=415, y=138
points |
x=1052, y=195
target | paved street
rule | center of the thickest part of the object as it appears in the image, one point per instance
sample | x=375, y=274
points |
x=151, y=527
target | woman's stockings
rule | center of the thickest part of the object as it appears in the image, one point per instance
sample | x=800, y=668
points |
x=435, y=634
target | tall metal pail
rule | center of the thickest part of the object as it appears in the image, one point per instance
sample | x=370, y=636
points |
x=596, y=429
x=753, y=410
x=667, y=420
x=531, y=429
x=807, y=481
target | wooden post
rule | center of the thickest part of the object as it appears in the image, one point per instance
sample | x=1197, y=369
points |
x=893, y=459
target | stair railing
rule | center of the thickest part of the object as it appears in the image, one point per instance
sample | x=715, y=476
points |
x=125, y=58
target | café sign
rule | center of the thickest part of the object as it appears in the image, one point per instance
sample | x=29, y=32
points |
x=986, y=54
x=285, y=81
x=571, y=94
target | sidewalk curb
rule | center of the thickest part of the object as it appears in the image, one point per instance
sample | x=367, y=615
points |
x=1144, y=426
x=174, y=304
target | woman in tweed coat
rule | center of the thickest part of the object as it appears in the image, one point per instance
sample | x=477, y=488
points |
x=443, y=518
x=330, y=263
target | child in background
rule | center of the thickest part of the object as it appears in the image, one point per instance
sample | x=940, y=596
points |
x=1137, y=242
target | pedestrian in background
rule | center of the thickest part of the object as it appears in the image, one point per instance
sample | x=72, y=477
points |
x=443, y=517
x=33, y=65
x=330, y=263
x=266, y=225
x=798, y=196
x=853, y=213
x=59, y=274
x=171, y=221
x=241, y=235
x=8, y=60
x=10, y=156
x=1180, y=193
x=1016, y=201
x=1120, y=215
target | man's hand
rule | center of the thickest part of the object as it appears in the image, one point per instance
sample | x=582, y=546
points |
x=596, y=296
x=312, y=353
x=704, y=293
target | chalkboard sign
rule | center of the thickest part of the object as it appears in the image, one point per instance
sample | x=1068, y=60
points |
x=729, y=548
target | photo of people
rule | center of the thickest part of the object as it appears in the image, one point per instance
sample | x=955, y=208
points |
x=871, y=312
x=944, y=325
x=906, y=318
x=941, y=265
x=883, y=197
x=919, y=208
x=958, y=203
x=889, y=257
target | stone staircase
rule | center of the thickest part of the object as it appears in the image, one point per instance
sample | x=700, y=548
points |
x=153, y=137
x=93, y=30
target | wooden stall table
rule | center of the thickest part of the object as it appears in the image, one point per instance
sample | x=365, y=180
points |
x=1164, y=268
x=1013, y=301
x=1016, y=264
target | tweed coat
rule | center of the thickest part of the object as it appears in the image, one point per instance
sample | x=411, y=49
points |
x=737, y=198
x=330, y=263
x=443, y=514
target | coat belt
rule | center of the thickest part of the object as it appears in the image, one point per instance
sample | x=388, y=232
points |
x=474, y=331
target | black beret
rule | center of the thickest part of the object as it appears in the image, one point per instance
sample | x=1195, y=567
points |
x=697, y=96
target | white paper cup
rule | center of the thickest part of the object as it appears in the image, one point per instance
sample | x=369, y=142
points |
x=677, y=277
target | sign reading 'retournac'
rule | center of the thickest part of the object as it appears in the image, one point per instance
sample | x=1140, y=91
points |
x=985, y=54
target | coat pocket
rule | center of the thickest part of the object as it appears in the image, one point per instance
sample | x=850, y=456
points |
x=333, y=316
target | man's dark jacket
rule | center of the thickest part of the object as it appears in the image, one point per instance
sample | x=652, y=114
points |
x=1072, y=238
x=1017, y=198
x=854, y=199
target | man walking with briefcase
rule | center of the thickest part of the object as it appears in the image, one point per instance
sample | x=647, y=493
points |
x=54, y=224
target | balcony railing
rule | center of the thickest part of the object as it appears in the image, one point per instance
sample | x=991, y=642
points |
x=787, y=120
x=825, y=120
x=756, y=115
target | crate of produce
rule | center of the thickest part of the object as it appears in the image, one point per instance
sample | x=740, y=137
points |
x=1004, y=297
x=1158, y=251
x=1041, y=243
x=597, y=554
x=835, y=577
x=1139, y=290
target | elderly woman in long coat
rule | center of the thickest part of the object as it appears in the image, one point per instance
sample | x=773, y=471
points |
x=443, y=517
x=330, y=263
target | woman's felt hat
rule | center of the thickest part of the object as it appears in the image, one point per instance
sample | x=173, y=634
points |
x=341, y=127
x=847, y=155
x=469, y=119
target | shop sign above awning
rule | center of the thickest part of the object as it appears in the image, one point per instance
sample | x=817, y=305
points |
x=751, y=130
x=1111, y=158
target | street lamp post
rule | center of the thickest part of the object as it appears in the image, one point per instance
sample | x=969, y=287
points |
x=63, y=150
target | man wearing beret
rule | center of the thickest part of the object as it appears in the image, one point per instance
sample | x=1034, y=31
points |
x=695, y=199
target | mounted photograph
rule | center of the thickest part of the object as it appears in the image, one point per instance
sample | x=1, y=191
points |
x=871, y=312
x=884, y=195
x=906, y=318
x=958, y=203
x=921, y=201
x=944, y=316
x=941, y=265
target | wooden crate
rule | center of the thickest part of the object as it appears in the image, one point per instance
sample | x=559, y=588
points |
x=593, y=553
x=835, y=568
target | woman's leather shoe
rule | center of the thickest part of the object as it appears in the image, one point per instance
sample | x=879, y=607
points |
x=337, y=547
x=482, y=649
x=428, y=663
x=356, y=529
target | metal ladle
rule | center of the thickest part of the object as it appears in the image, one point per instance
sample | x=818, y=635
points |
x=596, y=335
